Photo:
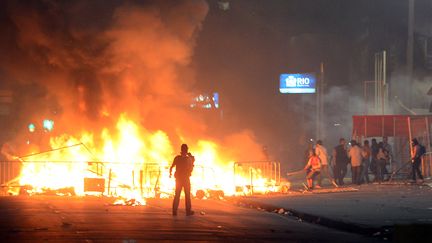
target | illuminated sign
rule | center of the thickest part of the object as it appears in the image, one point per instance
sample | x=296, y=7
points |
x=298, y=83
x=31, y=127
x=216, y=99
x=206, y=101
x=48, y=125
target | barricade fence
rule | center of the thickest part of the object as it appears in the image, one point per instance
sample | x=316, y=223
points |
x=426, y=167
x=256, y=171
x=146, y=177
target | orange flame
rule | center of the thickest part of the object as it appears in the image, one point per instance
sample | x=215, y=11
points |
x=134, y=164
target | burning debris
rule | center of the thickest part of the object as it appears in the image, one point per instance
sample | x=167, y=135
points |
x=50, y=173
x=210, y=194
x=129, y=202
x=30, y=191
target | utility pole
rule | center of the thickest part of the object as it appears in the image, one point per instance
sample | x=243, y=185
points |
x=319, y=102
x=410, y=48
x=381, y=89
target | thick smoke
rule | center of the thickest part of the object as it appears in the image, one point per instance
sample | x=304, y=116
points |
x=148, y=52
x=400, y=91
x=85, y=63
x=339, y=105
x=93, y=61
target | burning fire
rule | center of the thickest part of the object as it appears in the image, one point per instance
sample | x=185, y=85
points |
x=141, y=55
x=132, y=163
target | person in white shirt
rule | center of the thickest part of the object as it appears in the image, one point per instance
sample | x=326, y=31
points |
x=321, y=152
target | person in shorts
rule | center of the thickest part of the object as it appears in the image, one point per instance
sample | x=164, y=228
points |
x=313, y=168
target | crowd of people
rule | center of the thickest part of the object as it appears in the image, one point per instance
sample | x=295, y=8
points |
x=367, y=158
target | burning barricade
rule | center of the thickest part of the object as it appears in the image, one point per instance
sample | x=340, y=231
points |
x=118, y=169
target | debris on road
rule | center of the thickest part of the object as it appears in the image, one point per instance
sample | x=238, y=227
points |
x=129, y=202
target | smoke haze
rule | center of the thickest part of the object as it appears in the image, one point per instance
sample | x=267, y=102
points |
x=84, y=64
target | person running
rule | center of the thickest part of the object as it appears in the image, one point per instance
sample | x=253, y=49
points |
x=341, y=160
x=184, y=164
x=416, y=155
x=313, y=168
x=321, y=152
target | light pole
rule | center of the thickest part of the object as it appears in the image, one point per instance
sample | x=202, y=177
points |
x=319, y=102
x=380, y=81
x=365, y=94
x=410, y=48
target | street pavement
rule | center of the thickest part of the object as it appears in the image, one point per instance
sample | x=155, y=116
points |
x=397, y=210
x=96, y=219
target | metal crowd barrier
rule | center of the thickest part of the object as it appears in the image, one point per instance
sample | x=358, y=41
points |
x=9, y=170
x=143, y=177
x=253, y=170
x=427, y=164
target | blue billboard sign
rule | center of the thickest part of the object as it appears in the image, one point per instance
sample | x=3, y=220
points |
x=298, y=83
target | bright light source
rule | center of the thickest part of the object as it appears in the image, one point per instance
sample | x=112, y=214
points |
x=31, y=127
x=206, y=101
x=298, y=83
x=48, y=125
x=216, y=99
x=224, y=5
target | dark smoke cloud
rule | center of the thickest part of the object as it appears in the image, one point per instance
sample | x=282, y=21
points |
x=93, y=60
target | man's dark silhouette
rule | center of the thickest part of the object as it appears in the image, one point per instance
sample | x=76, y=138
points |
x=341, y=160
x=374, y=154
x=416, y=159
x=184, y=165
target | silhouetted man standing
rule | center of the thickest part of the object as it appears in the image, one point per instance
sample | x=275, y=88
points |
x=340, y=157
x=416, y=157
x=184, y=164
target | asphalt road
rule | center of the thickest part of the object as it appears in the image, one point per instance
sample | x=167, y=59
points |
x=371, y=205
x=93, y=219
x=397, y=212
